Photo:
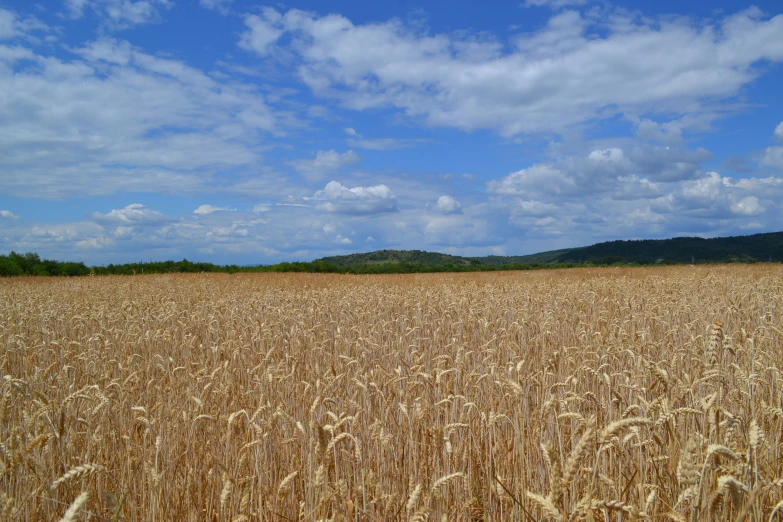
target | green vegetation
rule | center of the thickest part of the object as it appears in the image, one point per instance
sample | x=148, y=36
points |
x=417, y=257
x=164, y=267
x=543, y=257
x=31, y=264
x=742, y=249
x=400, y=267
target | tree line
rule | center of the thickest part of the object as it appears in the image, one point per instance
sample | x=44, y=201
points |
x=31, y=264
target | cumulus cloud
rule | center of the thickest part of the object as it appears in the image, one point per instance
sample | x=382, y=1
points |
x=220, y=234
x=324, y=163
x=338, y=198
x=718, y=197
x=120, y=14
x=638, y=190
x=68, y=238
x=668, y=133
x=134, y=214
x=773, y=157
x=448, y=205
x=524, y=207
x=94, y=243
x=360, y=142
x=382, y=143
x=262, y=31
x=7, y=214
x=644, y=167
x=533, y=180
x=209, y=209
x=553, y=4
x=13, y=26
x=7, y=24
x=221, y=6
x=577, y=68
x=117, y=119
x=748, y=206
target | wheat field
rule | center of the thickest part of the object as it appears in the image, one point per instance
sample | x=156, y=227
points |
x=586, y=394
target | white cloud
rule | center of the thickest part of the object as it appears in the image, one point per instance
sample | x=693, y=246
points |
x=382, y=143
x=261, y=207
x=342, y=240
x=76, y=7
x=668, y=133
x=134, y=214
x=338, y=198
x=12, y=26
x=448, y=205
x=221, y=6
x=62, y=240
x=717, y=197
x=602, y=170
x=262, y=31
x=613, y=155
x=124, y=232
x=533, y=208
x=94, y=243
x=360, y=142
x=748, y=206
x=7, y=24
x=7, y=214
x=120, y=14
x=637, y=190
x=752, y=225
x=220, y=233
x=573, y=70
x=209, y=209
x=532, y=180
x=324, y=163
x=119, y=119
x=554, y=4
x=773, y=157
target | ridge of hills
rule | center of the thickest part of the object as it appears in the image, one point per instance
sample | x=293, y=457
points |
x=737, y=249
x=752, y=248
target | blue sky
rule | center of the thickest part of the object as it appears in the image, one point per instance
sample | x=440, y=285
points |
x=243, y=132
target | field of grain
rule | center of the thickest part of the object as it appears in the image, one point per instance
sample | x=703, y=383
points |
x=591, y=394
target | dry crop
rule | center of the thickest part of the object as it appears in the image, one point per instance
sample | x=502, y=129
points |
x=611, y=394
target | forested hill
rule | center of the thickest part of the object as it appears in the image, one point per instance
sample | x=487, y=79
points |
x=398, y=256
x=754, y=248
x=758, y=247
x=742, y=249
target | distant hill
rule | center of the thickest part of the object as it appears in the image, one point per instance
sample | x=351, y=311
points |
x=757, y=247
x=398, y=256
x=742, y=249
x=551, y=256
